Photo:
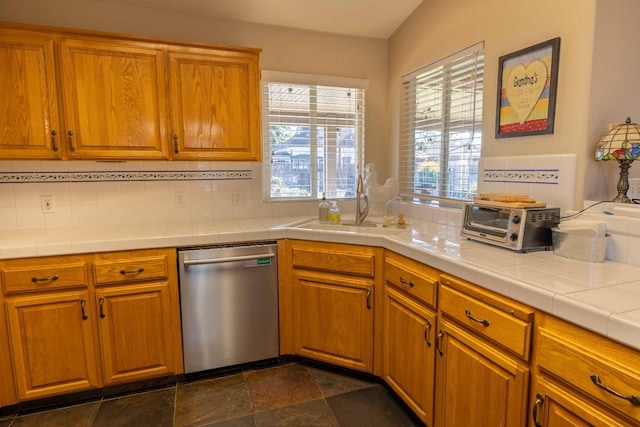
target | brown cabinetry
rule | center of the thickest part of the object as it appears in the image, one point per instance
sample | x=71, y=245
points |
x=29, y=121
x=327, y=303
x=120, y=95
x=409, y=332
x=215, y=104
x=81, y=322
x=482, y=375
x=583, y=379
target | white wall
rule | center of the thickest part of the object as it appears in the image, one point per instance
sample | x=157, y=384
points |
x=586, y=74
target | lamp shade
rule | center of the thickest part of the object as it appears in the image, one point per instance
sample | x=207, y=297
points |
x=620, y=143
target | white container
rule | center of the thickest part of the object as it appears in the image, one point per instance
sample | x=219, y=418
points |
x=581, y=244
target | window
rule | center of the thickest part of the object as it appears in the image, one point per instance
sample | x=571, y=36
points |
x=441, y=127
x=313, y=135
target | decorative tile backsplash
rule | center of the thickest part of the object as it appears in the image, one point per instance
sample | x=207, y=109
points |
x=118, y=176
x=548, y=178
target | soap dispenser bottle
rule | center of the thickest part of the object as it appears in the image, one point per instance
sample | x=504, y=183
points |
x=323, y=210
x=334, y=214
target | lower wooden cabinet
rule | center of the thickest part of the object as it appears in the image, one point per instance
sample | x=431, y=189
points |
x=81, y=322
x=8, y=389
x=409, y=351
x=53, y=343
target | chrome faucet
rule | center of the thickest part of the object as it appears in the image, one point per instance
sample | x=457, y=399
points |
x=361, y=215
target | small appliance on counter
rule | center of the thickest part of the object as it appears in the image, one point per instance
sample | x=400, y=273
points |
x=513, y=221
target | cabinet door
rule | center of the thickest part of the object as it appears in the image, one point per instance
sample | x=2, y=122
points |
x=556, y=406
x=135, y=327
x=409, y=356
x=29, y=123
x=477, y=384
x=8, y=389
x=115, y=101
x=333, y=319
x=52, y=344
x=215, y=105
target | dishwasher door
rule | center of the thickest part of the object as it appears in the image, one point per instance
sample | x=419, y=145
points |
x=229, y=305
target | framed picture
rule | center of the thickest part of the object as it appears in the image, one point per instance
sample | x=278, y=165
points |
x=527, y=84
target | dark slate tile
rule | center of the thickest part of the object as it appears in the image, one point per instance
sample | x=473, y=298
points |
x=71, y=416
x=152, y=409
x=281, y=386
x=371, y=407
x=332, y=382
x=314, y=413
x=211, y=401
x=236, y=422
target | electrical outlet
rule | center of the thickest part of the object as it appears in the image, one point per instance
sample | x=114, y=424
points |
x=179, y=199
x=239, y=198
x=634, y=188
x=48, y=205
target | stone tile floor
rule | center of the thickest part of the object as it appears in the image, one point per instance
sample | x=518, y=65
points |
x=292, y=394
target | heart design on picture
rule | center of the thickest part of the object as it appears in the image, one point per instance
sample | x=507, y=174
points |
x=524, y=87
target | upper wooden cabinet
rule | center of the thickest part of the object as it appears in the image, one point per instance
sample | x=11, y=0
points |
x=125, y=98
x=29, y=122
x=114, y=98
x=215, y=104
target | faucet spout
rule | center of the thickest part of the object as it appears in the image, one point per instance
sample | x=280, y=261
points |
x=360, y=193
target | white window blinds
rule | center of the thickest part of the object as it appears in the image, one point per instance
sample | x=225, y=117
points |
x=441, y=127
x=313, y=135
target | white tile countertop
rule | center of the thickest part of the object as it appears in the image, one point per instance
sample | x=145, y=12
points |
x=603, y=297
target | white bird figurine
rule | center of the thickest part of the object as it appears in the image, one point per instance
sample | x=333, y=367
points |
x=378, y=194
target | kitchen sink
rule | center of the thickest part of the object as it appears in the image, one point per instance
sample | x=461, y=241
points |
x=372, y=225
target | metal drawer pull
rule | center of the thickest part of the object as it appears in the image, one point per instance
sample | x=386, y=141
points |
x=54, y=147
x=368, y=299
x=405, y=282
x=439, y=342
x=139, y=270
x=538, y=404
x=45, y=279
x=427, y=329
x=484, y=322
x=101, y=302
x=634, y=399
x=82, y=303
x=71, y=148
x=175, y=144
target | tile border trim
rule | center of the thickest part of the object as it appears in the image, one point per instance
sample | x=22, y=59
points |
x=122, y=176
x=529, y=176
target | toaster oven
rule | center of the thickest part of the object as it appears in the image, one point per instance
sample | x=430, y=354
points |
x=519, y=229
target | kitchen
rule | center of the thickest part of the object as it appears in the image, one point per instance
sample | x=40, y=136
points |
x=587, y=102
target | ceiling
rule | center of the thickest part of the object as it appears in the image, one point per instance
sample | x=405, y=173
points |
x=367, y=18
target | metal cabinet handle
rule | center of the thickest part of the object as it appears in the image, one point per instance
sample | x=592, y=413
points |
x=538, y=404
x=82, y=303
x=175, y=144
x=368, y=299
x=427, y=329
x=101, y=302
x=439, y=342
x=54, y=147
x=409, y=283
x=45, y=279
x=71, y=147
x=136, y=271
x=484, y=322
x=634, y=399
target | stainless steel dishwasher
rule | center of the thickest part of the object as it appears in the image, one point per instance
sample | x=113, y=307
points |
x=229, y=305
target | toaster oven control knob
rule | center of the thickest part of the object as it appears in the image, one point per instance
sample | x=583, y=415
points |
x=515, y=219
x=513, y=237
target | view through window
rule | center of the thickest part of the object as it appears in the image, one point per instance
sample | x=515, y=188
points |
x=313, y=139
x=441, y=127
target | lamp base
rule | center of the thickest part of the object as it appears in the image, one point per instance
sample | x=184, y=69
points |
x=623, y=182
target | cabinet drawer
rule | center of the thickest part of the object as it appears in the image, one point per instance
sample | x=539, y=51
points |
x=412, y=277
x=49, y=274
x=488, y=321
x=133, y=269
x=336, y=258
x=582, y=360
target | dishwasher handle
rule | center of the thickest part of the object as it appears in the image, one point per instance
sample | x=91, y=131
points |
x=188, y=262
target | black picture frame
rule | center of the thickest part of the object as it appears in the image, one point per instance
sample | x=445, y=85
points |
x=523, y=107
